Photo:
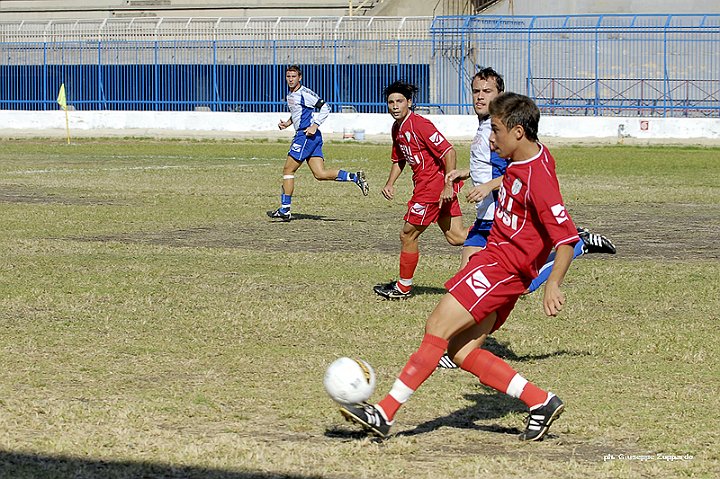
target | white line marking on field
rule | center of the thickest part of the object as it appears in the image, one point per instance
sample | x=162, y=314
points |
x=131, y=168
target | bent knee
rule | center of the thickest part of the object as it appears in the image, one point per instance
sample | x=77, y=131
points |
x=323, y=175
x=455, y=238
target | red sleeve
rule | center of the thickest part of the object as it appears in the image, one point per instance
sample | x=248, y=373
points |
x=549, y=205
x=434, y=141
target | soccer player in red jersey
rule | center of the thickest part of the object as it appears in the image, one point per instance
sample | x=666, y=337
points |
x=530, y=220
x=417, y=142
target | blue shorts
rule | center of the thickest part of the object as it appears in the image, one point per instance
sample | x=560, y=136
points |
x=477, y=235
x=304, y=147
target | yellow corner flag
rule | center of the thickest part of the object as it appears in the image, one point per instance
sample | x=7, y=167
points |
x=62, y=101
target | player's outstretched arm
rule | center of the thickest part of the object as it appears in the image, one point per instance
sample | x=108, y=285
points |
x=554, y=298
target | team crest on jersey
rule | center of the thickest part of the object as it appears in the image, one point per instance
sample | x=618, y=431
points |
x=417, y=209
x=407, y=135
x=436, y=138
x=478, y=283
x=560, y=214
x=516, y=186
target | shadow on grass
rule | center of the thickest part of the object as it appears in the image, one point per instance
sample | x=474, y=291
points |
x=420, y=290
x=503, y=351
x=486, y=407
x=24, y=465
x=301, y=216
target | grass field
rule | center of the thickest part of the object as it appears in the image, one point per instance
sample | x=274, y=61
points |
x=155, y=323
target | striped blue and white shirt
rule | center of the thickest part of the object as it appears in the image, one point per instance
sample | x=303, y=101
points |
x=306, y=108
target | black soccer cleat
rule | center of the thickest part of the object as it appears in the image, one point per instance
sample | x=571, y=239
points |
x=541, y=417
x=277, y=214
x=595, y=243
x=362, y=183
x=367, y=416
x=391, y=291
x=446, y=363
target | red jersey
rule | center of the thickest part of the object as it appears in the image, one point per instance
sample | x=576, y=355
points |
x=419, y=143
x=530, y=217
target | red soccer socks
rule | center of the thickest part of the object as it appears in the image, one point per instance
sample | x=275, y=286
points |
x=496, y=373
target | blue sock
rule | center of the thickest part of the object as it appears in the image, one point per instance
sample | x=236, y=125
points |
x=547, y=267
x=345, y=176
x=285, y=202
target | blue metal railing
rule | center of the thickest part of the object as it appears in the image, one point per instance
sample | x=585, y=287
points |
x=663, y=65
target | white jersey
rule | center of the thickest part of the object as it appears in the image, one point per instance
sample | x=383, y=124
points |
x=484, y=166
x=481, y=168
x=306, y=108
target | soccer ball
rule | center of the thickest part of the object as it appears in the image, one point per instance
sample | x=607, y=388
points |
x=349, y=381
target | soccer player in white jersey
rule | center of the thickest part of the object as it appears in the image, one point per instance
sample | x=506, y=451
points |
x=530, y=220
x=307, y=112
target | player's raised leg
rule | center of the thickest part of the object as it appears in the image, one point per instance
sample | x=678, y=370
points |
x=317, y=166
x=590, y=243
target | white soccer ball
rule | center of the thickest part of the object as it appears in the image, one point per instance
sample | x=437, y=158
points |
x=349, y=380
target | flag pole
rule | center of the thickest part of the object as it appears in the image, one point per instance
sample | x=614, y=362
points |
x=67, y=125
x=62, y=101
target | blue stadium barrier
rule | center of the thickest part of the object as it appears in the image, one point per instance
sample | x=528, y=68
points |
x=629, y=65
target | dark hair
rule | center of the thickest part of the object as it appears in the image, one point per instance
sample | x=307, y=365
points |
x=294, y=68
x=408, y=90
x=486, y=74
x=513, y=109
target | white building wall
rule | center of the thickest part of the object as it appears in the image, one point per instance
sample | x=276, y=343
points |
x=339, y=125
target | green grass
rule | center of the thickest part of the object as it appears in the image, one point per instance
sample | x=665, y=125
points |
x=155, y=323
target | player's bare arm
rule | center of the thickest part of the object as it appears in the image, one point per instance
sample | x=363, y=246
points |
x=554, y=298
x=450, y=159
x=284, y=124
x=453, y=176
x=388, y=190
x=479, y=192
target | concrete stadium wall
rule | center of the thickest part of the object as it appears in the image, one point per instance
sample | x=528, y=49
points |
x=556, y=7
x=338, y=125
x=14, y=10
x=580, y=7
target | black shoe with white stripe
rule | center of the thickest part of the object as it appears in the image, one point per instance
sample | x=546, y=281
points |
x=361, y=181
x=595, y=243
x=391, y=291
x=367, y=416
x=446, y=363
x=279, y=214
x=541, y=417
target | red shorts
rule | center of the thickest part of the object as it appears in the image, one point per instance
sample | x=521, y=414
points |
x=484, y=286
x=423, y=214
